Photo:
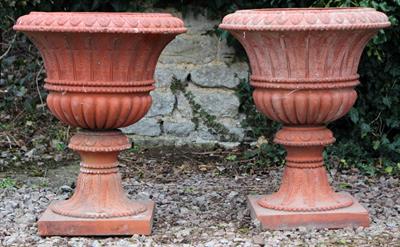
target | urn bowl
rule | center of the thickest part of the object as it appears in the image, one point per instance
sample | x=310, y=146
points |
x=99, y=66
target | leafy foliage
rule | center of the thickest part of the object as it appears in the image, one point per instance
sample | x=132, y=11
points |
x=368, y=137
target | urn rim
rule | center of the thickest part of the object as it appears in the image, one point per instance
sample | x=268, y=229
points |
x=100, y=22
x=305, y=19
x=309, y=9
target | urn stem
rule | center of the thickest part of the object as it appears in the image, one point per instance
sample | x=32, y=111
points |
x=99, y=192
x=305, y=185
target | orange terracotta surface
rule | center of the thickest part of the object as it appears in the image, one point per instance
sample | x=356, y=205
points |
x=100, y=69
x=353, y=216
x=53, y=224
x=304, y=69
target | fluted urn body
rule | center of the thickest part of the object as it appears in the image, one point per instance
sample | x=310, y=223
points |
x=100, y=69
x=304, y=69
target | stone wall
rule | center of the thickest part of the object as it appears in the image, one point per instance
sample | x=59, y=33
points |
x=195, y=100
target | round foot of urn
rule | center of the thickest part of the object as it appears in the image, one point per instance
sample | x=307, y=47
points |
x=91, y=209
x=280, y=201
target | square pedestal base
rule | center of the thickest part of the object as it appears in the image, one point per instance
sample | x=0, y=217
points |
x=354, y=216
x=51, y=224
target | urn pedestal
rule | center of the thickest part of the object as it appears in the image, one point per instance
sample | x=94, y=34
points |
x=100, y=69
x=304, y=70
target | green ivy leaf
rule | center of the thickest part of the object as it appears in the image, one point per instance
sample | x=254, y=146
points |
x=389, y=170
x=354, y=116
x=231, y=157
x=376, y=144
x=386, y=101
x=365, y=129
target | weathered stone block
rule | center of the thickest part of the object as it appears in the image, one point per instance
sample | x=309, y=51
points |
x=219, y=74
x=211, y=66
x=165, y=73
x=183, y=107
x=202, y=135
x=188, y=49
x=179, y=128
x=163, y=102
x=217, y=102
x=226, y=53
x=145, y=127
x=234, y=126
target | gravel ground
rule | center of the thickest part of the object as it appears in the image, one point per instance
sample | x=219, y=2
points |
x=199, y=207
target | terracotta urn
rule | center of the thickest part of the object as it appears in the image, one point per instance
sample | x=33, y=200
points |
x=304, y=71
x=100, y=70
